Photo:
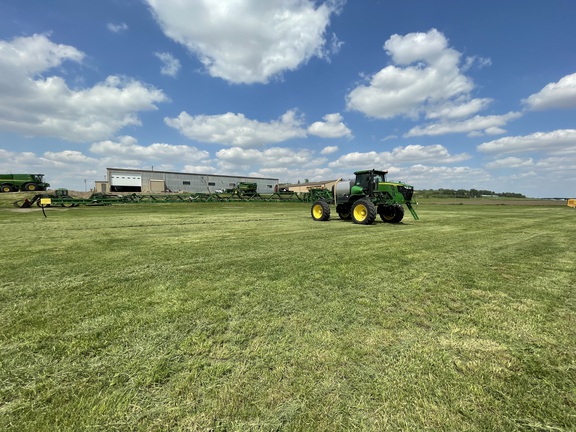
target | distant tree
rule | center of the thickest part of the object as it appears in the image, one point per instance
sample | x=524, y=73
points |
x=511, y=195
x=486, y=192
x=463, y=193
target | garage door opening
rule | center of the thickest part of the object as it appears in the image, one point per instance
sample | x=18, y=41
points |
x=126, y=183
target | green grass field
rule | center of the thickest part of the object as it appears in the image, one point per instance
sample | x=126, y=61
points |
x=252, y=317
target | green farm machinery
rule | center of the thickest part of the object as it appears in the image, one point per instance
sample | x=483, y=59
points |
x=245, y=190
x=360, y=200
x=366, y=197
x=317, y=193
x=62, y=198
x=22, y=182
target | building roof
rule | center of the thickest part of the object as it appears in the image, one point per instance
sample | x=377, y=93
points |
x=310, y=184
x=189, y=173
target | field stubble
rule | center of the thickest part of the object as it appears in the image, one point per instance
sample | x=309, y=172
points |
x=253, y=317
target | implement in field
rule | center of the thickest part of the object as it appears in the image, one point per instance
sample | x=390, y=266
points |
x=61, y=197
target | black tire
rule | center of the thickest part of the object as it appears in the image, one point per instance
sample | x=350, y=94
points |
x=392, y=213
x=30, y=187
x=363, y=212
x=7, y=188
x=320, y=210
x=67, y=203
x=343, y=211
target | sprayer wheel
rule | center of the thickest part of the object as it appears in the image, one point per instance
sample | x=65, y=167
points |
x=391, y=213
x=320, y=210
x=364, y=212
x=344, y=211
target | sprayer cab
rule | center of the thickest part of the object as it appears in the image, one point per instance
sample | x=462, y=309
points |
x=368, y=182
x=369, y=195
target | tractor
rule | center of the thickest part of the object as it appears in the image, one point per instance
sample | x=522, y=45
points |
x=366, y=197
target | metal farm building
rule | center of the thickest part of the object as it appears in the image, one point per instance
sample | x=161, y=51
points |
x=131, y=180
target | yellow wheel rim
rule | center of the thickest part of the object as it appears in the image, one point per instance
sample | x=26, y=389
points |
x=317, y=211
x=360, y=212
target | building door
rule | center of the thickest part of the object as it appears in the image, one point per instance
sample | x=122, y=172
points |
x=157, y=186
x=125, y=182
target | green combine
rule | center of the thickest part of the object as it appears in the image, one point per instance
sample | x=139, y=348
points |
x=366, y=197
x=22, y=182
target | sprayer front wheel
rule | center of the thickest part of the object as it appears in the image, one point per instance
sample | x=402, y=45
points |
x=392, y=213
x=320, y=210
x=364, y=212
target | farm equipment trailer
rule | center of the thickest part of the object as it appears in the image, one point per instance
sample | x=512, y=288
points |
x=369, y=195
x=62, y=198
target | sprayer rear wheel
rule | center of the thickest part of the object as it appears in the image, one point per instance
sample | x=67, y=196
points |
x=320, y=210
x=344, y=211
x=364, y=212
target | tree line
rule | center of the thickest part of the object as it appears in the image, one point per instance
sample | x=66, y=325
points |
x=464, y=193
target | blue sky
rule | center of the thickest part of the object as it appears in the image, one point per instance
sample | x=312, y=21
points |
x=442, y=94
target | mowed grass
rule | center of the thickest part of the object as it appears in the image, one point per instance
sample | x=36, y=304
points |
x=251, y=316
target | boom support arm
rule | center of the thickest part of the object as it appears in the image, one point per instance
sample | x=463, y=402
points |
x=412, y=211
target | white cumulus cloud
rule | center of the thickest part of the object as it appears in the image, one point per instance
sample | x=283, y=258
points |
x=68, y=157
x=294, y=174
x=434, y=177
x=35, y=103
x=329, y=150
x=170, y=64
x=457, y=109
x=249, y=41
x=555, y=95
x=563, y=140
x=236, y=130
x=127, y=147
x=283, y=162
x=425, y=79
x=272, y=157
x=331, y=127
x=399, y=155
x=200, y=169
x=510, y=162
x=477, y=125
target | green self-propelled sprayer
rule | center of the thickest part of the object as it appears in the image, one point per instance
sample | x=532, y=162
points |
x=369, y=195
